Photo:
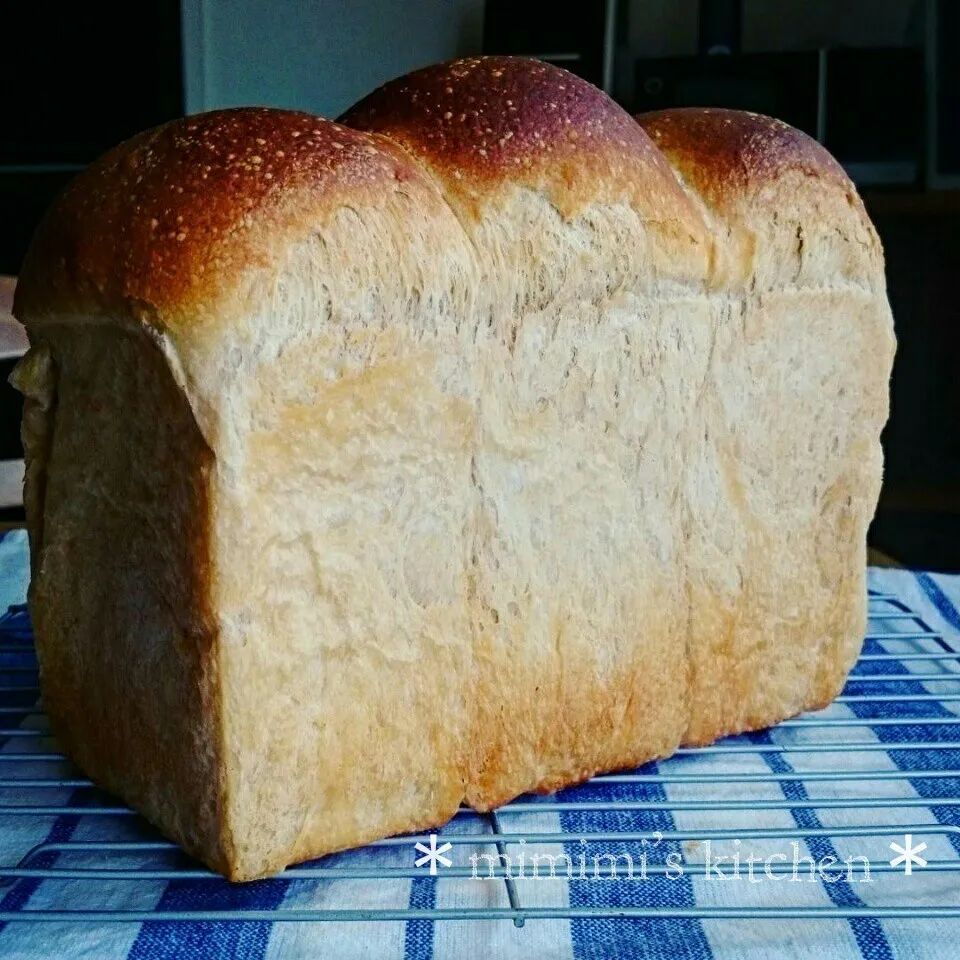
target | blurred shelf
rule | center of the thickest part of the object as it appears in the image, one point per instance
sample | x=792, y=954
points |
x=919, y=525
x=877, y=558
x=925, y=499
x=918, y=539
x=912, y=202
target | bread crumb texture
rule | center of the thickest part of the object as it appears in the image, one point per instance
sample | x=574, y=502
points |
x=475, y=444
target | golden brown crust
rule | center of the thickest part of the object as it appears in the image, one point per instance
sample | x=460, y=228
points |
x=727, y=153
x=782, y=209
x=485, y=122
x=163, y=227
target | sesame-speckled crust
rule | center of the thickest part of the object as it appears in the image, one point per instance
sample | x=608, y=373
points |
x=770, y=192
x=485, y=123
x=164, y=227
x=726, y=153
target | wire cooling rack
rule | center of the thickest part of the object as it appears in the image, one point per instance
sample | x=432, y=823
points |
x=878, y=766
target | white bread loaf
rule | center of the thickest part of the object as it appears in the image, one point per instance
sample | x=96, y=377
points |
x=473, y=450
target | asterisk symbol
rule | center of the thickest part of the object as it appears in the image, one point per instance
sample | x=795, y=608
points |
x=433, y=855
x=909, y=854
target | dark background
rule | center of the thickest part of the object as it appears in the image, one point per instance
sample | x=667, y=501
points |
x=878, y=81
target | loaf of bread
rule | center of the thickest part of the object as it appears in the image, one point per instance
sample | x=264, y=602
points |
x=481, y=441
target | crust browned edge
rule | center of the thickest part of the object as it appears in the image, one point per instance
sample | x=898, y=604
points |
x=481, y=123
x=723, y=154
x=165, y=229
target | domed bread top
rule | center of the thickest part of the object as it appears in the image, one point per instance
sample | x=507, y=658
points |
x=486, y=123
x=787, y=207
x=164, y=226
x=724, y=154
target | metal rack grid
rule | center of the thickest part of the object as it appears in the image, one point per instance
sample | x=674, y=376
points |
x=900, y=649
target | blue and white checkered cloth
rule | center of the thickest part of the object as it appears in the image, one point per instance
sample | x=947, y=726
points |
x=791, y=803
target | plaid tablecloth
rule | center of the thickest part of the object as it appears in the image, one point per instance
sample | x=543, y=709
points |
x=787, y=794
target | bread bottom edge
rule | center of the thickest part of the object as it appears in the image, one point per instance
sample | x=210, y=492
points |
x=220, y=859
